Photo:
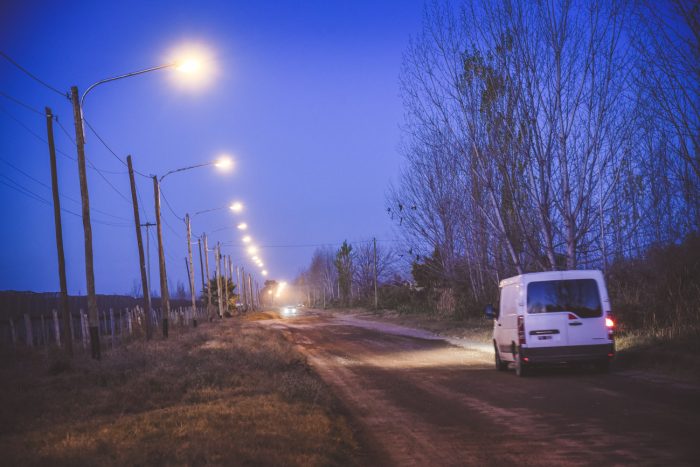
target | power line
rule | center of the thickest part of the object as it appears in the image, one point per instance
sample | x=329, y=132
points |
x=62, y=195
x=167, y=203
x=33, y=76
x=30, y=194
x=104, y=143
x=20, y=103
x=311, y=245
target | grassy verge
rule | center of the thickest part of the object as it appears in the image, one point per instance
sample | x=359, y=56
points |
x=674, y=351
x=224, y=393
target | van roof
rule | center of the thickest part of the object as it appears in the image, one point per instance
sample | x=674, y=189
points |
x=552, y=276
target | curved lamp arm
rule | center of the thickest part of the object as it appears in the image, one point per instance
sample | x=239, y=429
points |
x=127, y=75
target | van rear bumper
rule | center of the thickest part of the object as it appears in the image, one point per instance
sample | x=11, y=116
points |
x=569, y=353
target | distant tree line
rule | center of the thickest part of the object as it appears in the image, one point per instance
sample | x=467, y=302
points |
x=345, y=276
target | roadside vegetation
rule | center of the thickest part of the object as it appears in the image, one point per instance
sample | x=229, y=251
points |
x=224, y=393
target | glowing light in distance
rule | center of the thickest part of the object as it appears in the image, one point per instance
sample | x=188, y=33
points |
x=224, y=163
x=247, y=239
x=236, y=207
x=252, y=250
x=242, y=226
x=264, y=273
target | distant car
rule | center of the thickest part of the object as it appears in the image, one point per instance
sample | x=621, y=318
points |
x=289, y=310
x=551, y=318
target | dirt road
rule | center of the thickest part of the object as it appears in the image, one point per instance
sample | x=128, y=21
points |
x=420, y=400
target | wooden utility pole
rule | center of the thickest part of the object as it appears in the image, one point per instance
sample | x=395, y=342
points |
x=226, y=278
x=219, y=281
x=164, y=294
x=238, y=284
x=191, y=270
x=250, y=289
x=376, y=296
x=142, y=259
x=245, y=292
x=95, y=350
x=201, y=264
x=230, y=274
x=206, y=265
x=65, y=310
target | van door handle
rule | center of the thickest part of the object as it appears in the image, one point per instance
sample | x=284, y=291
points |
x=575, y=324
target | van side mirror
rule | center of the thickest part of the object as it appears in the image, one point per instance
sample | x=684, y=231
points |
x=488, y=311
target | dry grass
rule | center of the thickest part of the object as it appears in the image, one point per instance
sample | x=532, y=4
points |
x=222, y=394
x=674, y=350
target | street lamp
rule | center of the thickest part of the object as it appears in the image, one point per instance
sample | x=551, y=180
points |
x=223, y=163
x=78, y=102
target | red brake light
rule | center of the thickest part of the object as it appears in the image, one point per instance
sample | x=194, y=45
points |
x=609, y=322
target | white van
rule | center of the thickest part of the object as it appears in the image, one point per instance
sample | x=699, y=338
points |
x=553, y=317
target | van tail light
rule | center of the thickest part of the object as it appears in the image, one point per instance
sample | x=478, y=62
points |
x=610, y=326
x=521, y=330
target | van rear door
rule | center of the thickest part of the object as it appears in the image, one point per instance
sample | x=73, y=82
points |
x=571, y=306
x=546, y=329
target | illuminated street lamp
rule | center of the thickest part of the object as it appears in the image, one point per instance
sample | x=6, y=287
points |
x=247, y=239
x=236, y=206
x=78, y=106
x=242, y=226
x=224, y=163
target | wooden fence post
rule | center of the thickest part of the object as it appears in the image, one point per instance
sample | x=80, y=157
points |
x=83, y=329
x=28, y=334
x=56, y=328
x=13, y=332
x=111, y=325
x=43, y=331
x=128, y=321
x=71, y=335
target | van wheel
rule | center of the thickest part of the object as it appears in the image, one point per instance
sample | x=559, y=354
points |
x=521, y=368
x=500, y=364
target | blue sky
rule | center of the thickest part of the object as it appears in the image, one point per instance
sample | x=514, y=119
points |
x=306, y=99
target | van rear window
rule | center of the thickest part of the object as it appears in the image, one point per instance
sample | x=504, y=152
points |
x=579, y=296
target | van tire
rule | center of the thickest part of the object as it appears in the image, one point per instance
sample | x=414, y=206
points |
x=500, y=364
x=522, y=369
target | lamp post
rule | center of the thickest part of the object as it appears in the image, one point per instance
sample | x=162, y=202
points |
x=78, y=103
x=224, y=163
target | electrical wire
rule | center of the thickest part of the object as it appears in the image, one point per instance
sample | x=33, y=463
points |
x=104, y=143
x=311, y=245
x=33, y=76
x=22, y=104
x=105, y=213
x=30, y=194
x=167, y=203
